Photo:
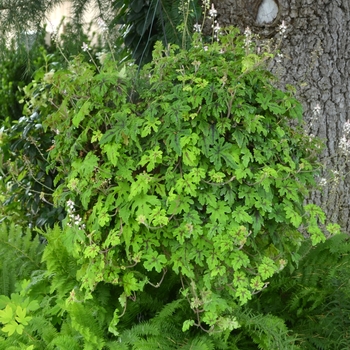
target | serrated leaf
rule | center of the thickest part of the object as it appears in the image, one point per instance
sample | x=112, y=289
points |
x=293, y=216
x=141, y=185
x=130, y=283
x=189, y=156
x=243, y=294
x=83, y=112
x=111, y=150
x=13, y=327
x=4, y=300
x=6, y=315
x=151, y=158
x=239, y=259
x=21, y=316
x=187, y=325
x=264, y=99
x=241, y=216
x=154, y=261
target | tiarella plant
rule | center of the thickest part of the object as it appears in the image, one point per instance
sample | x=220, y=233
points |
x=183, y=184
x=190, y=166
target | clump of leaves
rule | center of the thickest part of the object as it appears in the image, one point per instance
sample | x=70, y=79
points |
x=192, y=166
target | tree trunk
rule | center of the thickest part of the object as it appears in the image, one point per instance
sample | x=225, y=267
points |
x=316, y=60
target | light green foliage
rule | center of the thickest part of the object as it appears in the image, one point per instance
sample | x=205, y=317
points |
x=184, y=176
x=44, y=312
x=194, y=168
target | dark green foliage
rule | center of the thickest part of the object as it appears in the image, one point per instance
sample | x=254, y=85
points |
x=23, y=142
x=314, y=299
x=21, y=16
x=146, y=22
x=20, y=255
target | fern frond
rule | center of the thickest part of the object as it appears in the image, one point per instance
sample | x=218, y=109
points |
x=315, y=298
x=61, y=266
x=20, y=255
x=267, y=331
x=64, y=342
x=84, y=320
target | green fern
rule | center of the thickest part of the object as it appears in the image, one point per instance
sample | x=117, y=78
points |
x=20, y=255
x=314, y=299
x=61, y=266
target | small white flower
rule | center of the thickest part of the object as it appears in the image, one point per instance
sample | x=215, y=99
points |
x=247, y=32
x=70, y=204
x=216, y=28
x=101, y=56
x=197, y=28
x=102, y=24
x=279, y=57
x=206, y=4
x=85, y=47
x=212, y=12
x=346, y=127
x=344, y=145
x=323, y=182
x=317, y=109
x=205, y=48
x=282, y=27
x=248, y=37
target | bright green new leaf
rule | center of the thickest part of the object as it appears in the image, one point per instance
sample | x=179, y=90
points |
x=130, y=283
x=151, y=158
x=21, y=316
x=111, y=150
x=243, y=294
x=13, y=327
x=187, y=325
x=6, y=315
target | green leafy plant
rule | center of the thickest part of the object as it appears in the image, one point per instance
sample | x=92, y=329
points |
x=194, y=169
x=24, y=145
x=185, y=178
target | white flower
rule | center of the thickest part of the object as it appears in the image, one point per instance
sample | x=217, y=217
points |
x=85, y=47
x=344, y=145
x=216, y=28
x=247, y=32
x=346, y=127
x=279, y=57
x=248, y=37
x=197, y=28
x=282, y=27
x=212, y=12
x=206, y=4
x=323, y=182
x=317, y=109
x=70, y=204
x=102, y=24
x=101, y=56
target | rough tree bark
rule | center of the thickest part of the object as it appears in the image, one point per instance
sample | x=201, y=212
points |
x=316, y=60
